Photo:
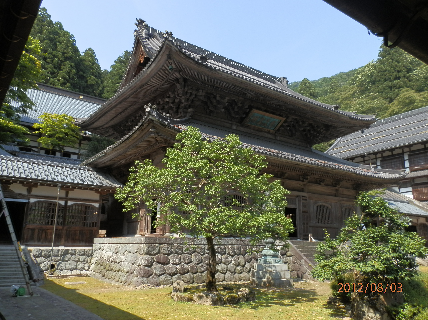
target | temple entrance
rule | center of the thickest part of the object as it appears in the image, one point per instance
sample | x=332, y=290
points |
x=16, y=212
x=292, y=213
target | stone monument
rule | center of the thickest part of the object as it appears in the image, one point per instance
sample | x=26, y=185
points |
x=270, y=270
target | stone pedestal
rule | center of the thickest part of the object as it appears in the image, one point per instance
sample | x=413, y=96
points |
x=271, y=271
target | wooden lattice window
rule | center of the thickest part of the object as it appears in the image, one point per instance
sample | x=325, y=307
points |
x=347, y=212
x=395, y=162
x=43, y=213
x=418, y=161
x=323, y=214
x=235, y=200
x=420, y=192
x=82, y=215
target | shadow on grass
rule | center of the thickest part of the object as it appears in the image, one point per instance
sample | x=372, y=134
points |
x=92, y=305
x=290, y=297
x=287, y=297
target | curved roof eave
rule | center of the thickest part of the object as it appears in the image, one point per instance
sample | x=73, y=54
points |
x=156, y=45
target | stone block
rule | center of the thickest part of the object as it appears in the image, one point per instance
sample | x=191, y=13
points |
x=193, y=268
x=162, y=259
x=146, y=261
x=226, y=259
x=231, y=268
x=186, y=258
x=228, y=277
x=187, y=278
x=221, y=268
x=165, y=280
x=196, y=258
x=174, y=259
x=166, y=249
x=150, y=249
x=158, y=269
x=171, y=270
x=182, y=269
x=144, y=272
x=199, y=278
x=178, y=249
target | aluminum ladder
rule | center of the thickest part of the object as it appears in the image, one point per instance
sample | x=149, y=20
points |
x=5, y=211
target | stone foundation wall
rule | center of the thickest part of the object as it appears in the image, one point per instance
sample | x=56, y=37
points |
x=68, y=260
x=161, y=261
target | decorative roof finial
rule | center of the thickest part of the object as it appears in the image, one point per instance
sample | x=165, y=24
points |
x=283, y=81
x=167, y=34
x=140, y=22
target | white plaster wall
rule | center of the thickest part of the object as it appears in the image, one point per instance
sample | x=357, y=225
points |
x=18, y=188
x=47, y=191
x=84, y=194
x=417, y=147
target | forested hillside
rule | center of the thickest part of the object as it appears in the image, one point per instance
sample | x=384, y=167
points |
x=64, y=66
x=394, y=83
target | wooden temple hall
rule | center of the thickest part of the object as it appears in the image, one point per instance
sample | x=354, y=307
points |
x=170, y=85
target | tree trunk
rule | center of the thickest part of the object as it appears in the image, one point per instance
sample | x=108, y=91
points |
x=212, y=266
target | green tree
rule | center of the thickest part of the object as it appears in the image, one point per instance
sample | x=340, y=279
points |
x=114, y=77
x=91, y=75
x=373, y=247
x=307, y=89
x=60, y=55
x=210, y=189
x=16, y=101
x=57, y=131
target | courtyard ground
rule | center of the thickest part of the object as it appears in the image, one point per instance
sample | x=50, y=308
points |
x=307, y=300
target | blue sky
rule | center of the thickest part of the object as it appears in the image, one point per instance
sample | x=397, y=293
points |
x=286, y=38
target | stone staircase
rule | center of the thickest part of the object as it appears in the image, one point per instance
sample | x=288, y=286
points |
x=307, y=249
x=10, y=269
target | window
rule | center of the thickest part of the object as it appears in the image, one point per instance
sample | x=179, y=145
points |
x=420, y=192
x=235, y=200
x=78, y=214
x=81, y=215
x=395, y=162
x=323, y=214
x=347, y=212
x=43, y=213
x=418, y=161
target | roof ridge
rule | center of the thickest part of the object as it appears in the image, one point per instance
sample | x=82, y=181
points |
x=69, y=93
x=46, y=162
x=403, y=115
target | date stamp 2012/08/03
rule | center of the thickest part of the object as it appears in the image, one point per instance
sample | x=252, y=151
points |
x=370, y=287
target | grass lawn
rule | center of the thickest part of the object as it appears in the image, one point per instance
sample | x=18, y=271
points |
x=305, y=301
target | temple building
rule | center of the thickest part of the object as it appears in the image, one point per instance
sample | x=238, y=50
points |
x=39, y=184
x=399, y=143
x=171, y=84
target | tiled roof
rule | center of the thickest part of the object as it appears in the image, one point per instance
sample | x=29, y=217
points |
x=45, y=157
x=397, y=131
x=55, y=100
x=153, y=40
x=262, y=145
x=30, y=170
x=404, y=204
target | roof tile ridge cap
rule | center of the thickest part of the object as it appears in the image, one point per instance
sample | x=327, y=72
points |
x=403, y=115
x=67, y=96
x=42, y=162
x=323, y=163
